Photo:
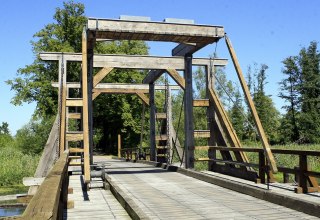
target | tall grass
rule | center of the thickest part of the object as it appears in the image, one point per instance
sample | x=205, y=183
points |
x=14, y=165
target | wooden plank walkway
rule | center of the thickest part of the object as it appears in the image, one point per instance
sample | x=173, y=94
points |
x=159, y=194
x=94, y=204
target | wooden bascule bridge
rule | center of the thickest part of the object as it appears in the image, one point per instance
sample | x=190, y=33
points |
x=72, y=183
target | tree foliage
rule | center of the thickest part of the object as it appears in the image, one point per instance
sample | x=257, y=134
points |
x=300, y=89
x=113, y=113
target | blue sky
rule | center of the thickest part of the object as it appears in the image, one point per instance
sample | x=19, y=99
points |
x=261, y=32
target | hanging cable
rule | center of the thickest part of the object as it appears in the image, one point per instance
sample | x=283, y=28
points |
x=212, y=75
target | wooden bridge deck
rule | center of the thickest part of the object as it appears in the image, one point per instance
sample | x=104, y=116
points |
x=94, y=204
x=154, y=193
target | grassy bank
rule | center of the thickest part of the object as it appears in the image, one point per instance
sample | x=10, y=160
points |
x=284, y=160
x=14, y=166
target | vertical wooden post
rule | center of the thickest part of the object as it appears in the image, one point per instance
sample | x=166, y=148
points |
x=119, y=146
x=253, y=110
x=169, y=127
x=63, y=96
x=85, y=113
x=303, y=167
x=211, y=117
x=90, y=52
x=188, y=113
x=152, y=123
x=262, y=167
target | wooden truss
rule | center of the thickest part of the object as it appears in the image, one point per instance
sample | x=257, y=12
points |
x=190, y=38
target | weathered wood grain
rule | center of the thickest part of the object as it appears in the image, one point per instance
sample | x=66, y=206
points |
x=44, y=204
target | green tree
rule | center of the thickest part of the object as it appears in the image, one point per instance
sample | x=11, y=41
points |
x=237, y=115
x=113, y=113
x=289, y=91
x=33, y=83
x=267, y=112
x=309, y=61
x=32, y=137
x=6, y=139
x=224, y=88
x=4, y=128
x=301, y=90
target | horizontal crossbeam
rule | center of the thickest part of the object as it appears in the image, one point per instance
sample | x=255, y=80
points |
x=134, y=61
x=154, y=31
x=75, y=85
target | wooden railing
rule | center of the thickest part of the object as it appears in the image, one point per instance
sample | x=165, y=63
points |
x=133, y=154
x=49, y=200
x=302, y=172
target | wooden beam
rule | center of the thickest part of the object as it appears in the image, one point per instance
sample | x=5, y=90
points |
x=74, y=136
x=85, y=110
x=76, y=150
x=76, y=85
x=135, y=61
x=161, y=115
x=176, y=77
x=152, y=76
x=222, y=116
x=152, y=123
x=32, y=181
x=63, y=103
x=95, y=95
x=44, y=204
x=74, y=115
x=162, y=137
x=188, y=114
x=101, y=74
x=169, y=122
x=201, y=103
x=143, y=98
x=120, y=90
x=202, y=133
x=154, y=31
x=184, y=48
x=252, y=107
x=74, y=102
x=119, y=146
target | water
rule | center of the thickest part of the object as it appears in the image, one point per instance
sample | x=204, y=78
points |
x=11, y=210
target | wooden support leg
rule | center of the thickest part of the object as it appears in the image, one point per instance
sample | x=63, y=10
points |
x=62, y=101
x=188, y=113
x=90, y=103
x=152, y=123
x=85, y=111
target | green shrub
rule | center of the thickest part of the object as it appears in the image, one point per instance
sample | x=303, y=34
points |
x=15, y=165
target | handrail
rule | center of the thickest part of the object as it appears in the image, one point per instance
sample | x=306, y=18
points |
x=304, y=175
x=133, y=153
x=47, y=202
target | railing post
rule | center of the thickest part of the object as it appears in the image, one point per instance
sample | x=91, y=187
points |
x=303, y=181
x=262, y=167
x=119, y=146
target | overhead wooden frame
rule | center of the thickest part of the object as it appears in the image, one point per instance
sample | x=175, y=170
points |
x=153, y=31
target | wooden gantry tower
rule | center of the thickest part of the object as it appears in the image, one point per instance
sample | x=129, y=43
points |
x=190, y=38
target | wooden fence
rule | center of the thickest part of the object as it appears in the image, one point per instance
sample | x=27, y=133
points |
x=50, y=198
